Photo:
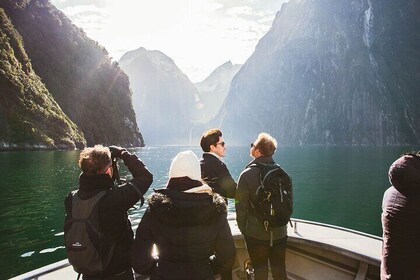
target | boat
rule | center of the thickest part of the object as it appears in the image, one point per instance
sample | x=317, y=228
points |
x=315, y=251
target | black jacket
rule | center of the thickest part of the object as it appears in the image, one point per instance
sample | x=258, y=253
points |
x=248, y=224
x=113, y=208
x=187, y=228
x=401, y=221
x=215, y=173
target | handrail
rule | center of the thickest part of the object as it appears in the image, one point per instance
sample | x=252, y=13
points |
x=233, y=217
x=335, y=227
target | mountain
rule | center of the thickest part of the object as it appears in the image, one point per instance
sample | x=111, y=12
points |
x=90, y=89
x=164, y=99
x=214, y=89
x=29, y=116
x=334, y=72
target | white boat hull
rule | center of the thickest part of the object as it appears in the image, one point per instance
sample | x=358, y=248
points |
x=314, y=251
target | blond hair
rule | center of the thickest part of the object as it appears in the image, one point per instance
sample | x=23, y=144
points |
x=94, y=160
x=266, y=144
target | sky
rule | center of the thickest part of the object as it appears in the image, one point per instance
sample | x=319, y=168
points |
x=199, y=35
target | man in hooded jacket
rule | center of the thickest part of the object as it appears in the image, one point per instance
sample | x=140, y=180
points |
x=401, y=220
x=187, y=223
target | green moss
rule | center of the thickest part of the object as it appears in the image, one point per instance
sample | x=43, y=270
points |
x=31, y=115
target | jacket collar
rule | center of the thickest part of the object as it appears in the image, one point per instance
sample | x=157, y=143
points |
x=176, y=208
x=213, y=154
x=262, y=160
x=92, y=183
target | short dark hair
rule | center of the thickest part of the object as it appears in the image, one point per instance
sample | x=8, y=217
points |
x=209, y=138
x=94, y=160
x=266, y=144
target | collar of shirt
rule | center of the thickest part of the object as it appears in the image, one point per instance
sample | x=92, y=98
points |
x=214, y=154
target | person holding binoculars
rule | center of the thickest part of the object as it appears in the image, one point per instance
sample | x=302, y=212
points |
x=97, y=230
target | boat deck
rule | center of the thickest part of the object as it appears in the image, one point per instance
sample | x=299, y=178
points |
x=315, y=251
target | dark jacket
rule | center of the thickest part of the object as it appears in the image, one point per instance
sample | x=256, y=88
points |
x=401, y=221
x=187, y=228
x=215, y=173
x=248, y=224
x=113, y=208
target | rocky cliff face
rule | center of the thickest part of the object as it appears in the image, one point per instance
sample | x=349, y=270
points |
x=332, y=72
x=163, y=97
x=214, y=89
x=91, y=90
x=29, y=116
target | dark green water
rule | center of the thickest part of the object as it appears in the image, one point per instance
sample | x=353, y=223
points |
x=336, y=185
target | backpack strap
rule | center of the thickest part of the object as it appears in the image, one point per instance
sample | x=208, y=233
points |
x=85, y=206
x=255, y=211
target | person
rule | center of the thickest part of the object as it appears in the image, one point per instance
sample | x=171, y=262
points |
x=188, y=225
x=97, y=171
x=213, y=171
x=262, y=245
x=401, y=220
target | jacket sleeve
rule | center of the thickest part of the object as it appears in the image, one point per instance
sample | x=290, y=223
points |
x=225, y=252
x=142, y=178
x=141, y=254
x=127, y=194
x=242, y=203
x=227, y=185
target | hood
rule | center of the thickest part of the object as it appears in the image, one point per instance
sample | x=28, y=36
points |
x=404, y=174
x=176, y=208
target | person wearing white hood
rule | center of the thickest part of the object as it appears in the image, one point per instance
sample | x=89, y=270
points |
x=187, y=223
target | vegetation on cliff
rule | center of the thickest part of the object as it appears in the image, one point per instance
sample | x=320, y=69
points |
x=91, y=89
x=29, y=116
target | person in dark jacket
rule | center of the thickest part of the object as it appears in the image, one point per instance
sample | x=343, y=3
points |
x=263, y=245
x=401, y=220
x=96, y=177
x=213, y=171
x=187, y=224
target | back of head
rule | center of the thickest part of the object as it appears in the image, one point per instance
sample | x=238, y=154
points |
x=210, y=137
x=404, y=173
x=185, y=164
x=266, y=144
x=95, y=160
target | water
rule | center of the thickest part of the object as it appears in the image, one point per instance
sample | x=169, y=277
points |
x=336, y=185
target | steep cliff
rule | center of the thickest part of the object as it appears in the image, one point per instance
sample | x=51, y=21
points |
x=163, y=97
x=332, y=72
x=91, y=90
x=29, y=116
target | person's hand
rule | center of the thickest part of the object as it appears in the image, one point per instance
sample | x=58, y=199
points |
x=116, y=151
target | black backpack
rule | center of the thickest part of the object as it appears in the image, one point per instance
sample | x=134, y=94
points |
x=88, y=251
x=274, y=204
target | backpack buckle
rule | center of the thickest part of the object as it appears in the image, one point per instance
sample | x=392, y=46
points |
x=266, y=225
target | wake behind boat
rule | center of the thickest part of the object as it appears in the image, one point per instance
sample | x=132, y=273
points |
x=314, y=251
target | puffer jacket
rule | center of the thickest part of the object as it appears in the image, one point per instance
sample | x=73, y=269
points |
x=191, y=233
x=401, y=221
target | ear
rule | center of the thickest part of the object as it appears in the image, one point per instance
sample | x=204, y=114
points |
x=109, y=171
x=257, y=153
x=212, y=148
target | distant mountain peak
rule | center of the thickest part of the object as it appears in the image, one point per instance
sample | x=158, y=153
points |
x=214, y=89
x=157, y=58
x=164, y=99
x=221, y=70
